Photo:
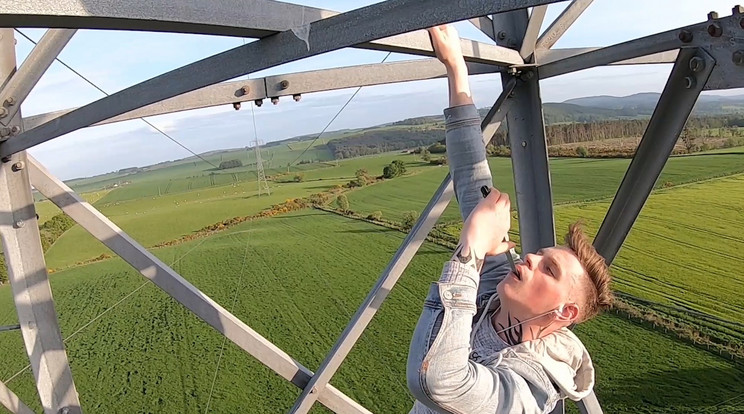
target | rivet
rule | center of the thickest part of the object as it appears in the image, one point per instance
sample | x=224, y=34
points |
x=258, y=102
x=64, y=410
x=524, y=144
x=236, y=105
x=15, y=130
x=275, y=100
x=297, y=97
x=284, y=84
x=697, y=64
x=502, y=35
x=17, y=166
x=447, y=294
x=245, y=90
x=712, y=15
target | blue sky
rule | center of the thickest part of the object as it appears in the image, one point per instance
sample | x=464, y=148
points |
x=115, y=60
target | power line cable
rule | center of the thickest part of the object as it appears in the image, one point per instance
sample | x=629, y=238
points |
x=334, y=117
x=105, y=93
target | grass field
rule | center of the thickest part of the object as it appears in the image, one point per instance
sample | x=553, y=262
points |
x=297, y=279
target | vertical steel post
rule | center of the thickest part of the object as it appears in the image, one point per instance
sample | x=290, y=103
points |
x=529, y=149
x=27, y=271
x=686, y=81
x=394, y=270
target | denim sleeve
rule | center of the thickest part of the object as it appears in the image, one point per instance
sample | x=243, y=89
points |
x=466, y=156
x=440, y=373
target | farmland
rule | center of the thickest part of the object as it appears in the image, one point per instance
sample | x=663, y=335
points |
x=149, y=354
x=298, y=278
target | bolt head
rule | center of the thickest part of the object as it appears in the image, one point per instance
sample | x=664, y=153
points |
x=258, y=102
x=10, y=101
x=737, y=9
x=15, y=130
x=18, y=166
x=685, y=36
x=19, y=224
x=697, y=64
x=297, y=97
x=715, y=30
x=738, y=58
x=284, y=84
x=64, y=410
x=236, y=105
x=690, y=82
x=502, y=35
x=3, y=112
x=245, y=90
x=712, y=15
x=524, y=144
x=275, y=100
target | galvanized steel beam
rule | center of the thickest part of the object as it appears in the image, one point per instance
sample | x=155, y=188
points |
x=561, y=24
x=37, y=62
x=688, y=77
x=11, y=402
x=103, y=229
x=283, y=85
x=720, y=37
x=389, y=277
x=533, y=29
x=358, y=26
x=253, y=18
x=546, y=56
x=27, y=271
x=485, y=25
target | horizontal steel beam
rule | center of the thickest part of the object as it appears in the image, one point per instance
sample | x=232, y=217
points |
x=252, y=18
x=11, y=402
x=546, y=56
x=669, y=118
x=103, y=229
x=721, y=47
x=274, y=86
x=33, y=67
x=357, y=26
x=561, y=24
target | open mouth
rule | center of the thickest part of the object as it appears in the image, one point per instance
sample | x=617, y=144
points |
x=517, y=275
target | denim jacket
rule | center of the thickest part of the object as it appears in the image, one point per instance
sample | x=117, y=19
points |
x=526, y=378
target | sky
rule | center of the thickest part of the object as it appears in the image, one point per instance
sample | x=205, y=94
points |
x=115, y=60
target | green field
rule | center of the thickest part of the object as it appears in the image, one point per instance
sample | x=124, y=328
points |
x=148, y=354
x=298, y=278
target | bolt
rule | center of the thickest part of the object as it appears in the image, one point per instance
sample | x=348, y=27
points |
x=738, y=58
x=297, y=97
x=524, y=144
x=712, y=15
x=3, y=112
x=4, y=132
x=19, y=224
x=17, y=166
x=64, y=410
x=502, y=35
x=245, y=90
x=697, y=64
x=284, y=84
x=738, y=9
x=10, y=101
x=236, y=105
x=258, y=102
x=685, y=36
x=690, y=82
x=15, y=130
x=275, y=100
x=715, y=30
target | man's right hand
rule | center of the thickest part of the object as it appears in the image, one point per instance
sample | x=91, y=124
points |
x=446, y=43
x=487, y=226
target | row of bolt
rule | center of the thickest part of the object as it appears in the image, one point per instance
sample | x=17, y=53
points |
x=715, y=30
x=245, y=90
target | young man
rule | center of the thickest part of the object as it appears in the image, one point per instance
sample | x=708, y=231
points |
x=491, y=340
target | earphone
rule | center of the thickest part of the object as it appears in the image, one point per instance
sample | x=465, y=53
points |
x=559, y=310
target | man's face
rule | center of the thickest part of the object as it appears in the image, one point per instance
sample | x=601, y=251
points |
x=542, y=283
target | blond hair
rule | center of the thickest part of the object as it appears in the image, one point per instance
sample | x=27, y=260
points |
x=596, y=286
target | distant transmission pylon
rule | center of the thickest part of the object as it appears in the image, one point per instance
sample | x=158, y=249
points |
x=263, y=184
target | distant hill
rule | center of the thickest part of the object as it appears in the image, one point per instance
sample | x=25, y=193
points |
x=643, y=104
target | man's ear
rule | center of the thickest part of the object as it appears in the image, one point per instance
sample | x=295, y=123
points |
x=568, y=313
